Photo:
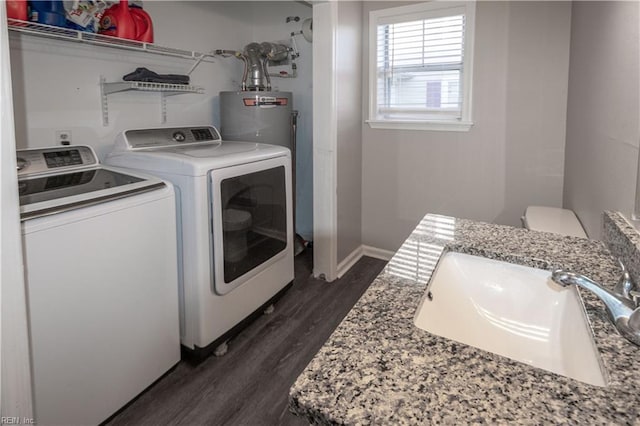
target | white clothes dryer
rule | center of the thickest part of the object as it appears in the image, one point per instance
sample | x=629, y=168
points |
x=235, y=227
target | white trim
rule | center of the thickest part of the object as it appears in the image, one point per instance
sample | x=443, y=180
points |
x=325, y=140
x=15, y=392
x=417, y=11
x=469, y=43
x=349, y=261
x=353, y=258
x=377, y=253
x=387, y=15
x=452, y=126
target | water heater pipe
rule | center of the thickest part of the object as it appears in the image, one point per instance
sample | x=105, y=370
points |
x=253, y=52
x=285, y=74
x=265, y=67
x=256, y=58
x=241, y=57
x=274, y=51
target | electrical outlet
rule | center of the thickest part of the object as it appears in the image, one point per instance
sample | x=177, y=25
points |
x=63, y=137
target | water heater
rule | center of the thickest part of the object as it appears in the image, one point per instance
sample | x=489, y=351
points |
x=257, y=117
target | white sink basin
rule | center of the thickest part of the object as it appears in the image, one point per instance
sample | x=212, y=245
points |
x=511, y=310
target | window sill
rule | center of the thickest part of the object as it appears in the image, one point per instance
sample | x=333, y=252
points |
x=438, y=126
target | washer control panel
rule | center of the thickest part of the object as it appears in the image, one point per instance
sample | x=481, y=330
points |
x=170, y=137
x=42, y=160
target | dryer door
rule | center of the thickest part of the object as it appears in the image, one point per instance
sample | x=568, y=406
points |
x=251, y=220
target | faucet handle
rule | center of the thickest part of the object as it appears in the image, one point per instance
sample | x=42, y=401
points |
x=624, y=268
x=634, y=295
x=625, y=285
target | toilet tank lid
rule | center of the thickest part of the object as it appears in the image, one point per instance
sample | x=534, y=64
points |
x=553, y=219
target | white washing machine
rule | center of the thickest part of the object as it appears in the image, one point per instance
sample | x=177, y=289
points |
x=102, y=282
x=235, y=228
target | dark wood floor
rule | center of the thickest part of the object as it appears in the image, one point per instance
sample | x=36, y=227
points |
x=249, y=385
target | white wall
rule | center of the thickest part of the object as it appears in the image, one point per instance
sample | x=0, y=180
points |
x=536, y=104
x=349, y=71
x=495, y=170
x=603, y=119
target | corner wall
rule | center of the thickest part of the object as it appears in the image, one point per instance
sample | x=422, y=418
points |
x=603, y=119
x=511, y=157
x=349, y=146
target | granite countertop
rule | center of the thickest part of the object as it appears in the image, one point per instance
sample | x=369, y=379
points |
x=377, y=367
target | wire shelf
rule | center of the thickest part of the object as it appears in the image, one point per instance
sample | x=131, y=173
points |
x=166, y=88
x=59, y=33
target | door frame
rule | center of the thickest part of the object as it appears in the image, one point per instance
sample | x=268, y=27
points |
x=325, y=140
x=16, y=397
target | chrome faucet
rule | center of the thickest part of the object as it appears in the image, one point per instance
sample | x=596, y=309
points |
x=625, y=285
x=621, y=304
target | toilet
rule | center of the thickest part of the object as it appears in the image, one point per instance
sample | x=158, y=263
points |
x=553, y=219
x=235, y=225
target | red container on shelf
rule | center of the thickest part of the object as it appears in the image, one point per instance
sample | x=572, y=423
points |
x=144, y=25
x=118, y=21
x=17, y=9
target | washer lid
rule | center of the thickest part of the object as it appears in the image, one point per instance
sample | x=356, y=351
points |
x=47, y=194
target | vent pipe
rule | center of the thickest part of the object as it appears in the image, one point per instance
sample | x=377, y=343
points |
x=256, y=58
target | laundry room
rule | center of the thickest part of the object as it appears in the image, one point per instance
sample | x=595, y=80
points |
x=56, y=84
x=319, y=212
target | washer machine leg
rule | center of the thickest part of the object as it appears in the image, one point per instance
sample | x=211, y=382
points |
x=269, y=309
x=222, y=349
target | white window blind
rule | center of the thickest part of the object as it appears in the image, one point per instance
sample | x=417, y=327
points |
x=420, y=65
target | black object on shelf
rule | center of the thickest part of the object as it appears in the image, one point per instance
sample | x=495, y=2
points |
x=146, y=75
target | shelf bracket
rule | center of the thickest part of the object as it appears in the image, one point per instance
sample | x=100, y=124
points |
x=199, y=57
x=104, y=102
x=163, y=106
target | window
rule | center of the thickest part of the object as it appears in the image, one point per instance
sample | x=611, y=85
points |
x=420, y=66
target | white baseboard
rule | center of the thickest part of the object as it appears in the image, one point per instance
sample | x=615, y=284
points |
x=378, y=253
x=354, y=256
x=349, y=261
